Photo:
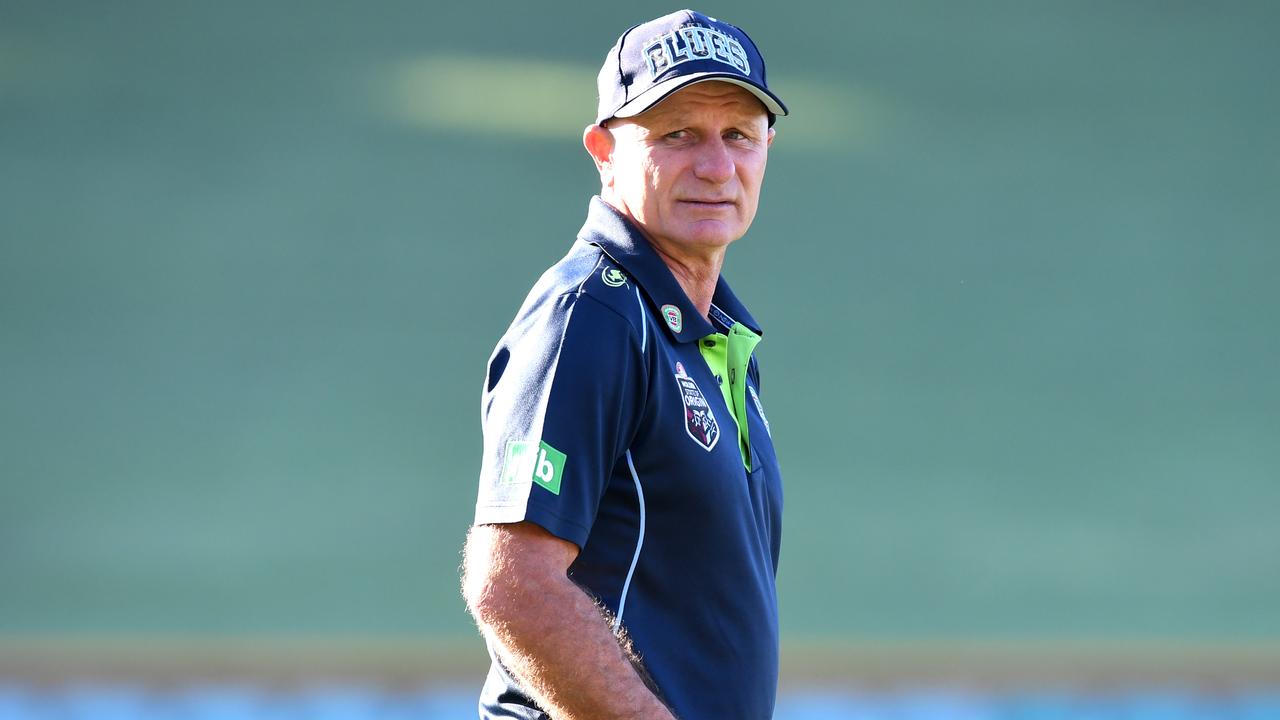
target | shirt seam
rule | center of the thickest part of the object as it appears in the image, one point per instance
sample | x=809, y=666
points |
x=580, y=293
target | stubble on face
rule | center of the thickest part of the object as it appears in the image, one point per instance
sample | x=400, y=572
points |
x=688, y=171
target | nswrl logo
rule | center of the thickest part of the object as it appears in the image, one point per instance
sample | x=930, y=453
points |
x=537, y=462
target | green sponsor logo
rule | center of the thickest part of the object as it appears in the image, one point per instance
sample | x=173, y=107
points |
x=533, y=461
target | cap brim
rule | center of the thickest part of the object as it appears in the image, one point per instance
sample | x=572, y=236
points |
x=664, y=90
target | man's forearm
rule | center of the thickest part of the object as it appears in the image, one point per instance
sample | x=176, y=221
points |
x=547, y=630
x=557, y=642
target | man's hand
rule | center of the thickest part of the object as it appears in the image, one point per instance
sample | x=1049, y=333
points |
x=546, y=630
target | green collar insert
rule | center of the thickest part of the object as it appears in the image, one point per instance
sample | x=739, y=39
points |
x=728, y=356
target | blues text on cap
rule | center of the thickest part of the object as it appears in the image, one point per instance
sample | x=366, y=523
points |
x=694, y=42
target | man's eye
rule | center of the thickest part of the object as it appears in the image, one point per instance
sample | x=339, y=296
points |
x=678, y=135
x=735, y=135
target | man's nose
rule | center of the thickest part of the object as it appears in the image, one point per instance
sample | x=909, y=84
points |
x=714, y=162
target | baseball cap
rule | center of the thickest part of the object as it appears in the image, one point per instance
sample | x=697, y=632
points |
x=652, y=60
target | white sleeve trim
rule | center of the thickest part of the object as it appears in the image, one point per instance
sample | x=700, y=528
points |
x=644, y=321
x=499, y=514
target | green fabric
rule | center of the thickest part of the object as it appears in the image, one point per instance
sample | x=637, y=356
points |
x=727, y=356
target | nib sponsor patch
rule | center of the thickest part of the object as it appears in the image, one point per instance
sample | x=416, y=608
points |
x=536, y=462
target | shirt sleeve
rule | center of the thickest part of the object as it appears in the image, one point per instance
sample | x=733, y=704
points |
x=562, y=402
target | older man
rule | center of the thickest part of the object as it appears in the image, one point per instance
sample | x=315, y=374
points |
x=626, y=535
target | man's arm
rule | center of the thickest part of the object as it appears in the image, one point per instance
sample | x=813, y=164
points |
x=549, y=632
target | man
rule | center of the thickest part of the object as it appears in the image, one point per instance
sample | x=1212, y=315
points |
x=626, y=535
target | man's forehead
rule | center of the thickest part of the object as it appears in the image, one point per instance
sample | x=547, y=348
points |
x=711, y=96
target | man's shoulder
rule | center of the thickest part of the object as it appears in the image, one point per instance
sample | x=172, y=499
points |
x=586, y=277
x=587, y=271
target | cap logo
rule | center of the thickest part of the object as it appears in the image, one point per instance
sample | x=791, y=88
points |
x=694, y=42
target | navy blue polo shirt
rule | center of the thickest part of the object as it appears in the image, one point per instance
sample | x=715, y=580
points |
x=619, y=418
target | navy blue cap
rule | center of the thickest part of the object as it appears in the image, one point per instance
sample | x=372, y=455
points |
x=654, y=59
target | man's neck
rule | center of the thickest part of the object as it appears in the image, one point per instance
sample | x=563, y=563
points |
x=696, y=275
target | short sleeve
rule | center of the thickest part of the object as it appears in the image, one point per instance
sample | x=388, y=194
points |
x=563, y=398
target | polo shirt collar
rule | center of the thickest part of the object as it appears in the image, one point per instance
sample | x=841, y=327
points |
x=623, y=242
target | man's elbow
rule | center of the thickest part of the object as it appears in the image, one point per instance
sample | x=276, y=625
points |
x=489, y=587
x=511, y=570
x=477, y=578
x=487, y=600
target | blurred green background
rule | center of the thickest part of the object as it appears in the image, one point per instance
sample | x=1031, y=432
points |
x=1016, y=263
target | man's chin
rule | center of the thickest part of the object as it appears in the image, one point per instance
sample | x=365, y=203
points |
x=708, y=233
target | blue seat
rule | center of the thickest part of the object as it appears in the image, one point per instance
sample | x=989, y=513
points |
x=1043, y=705
x=339, y=702
x=1257, y=706
x=819, y=705
x=103, y=702
x=433, y=703
x=16, y=703
x=941, y=705
x=331, y=703
x=215, y=702
x=1168, y=705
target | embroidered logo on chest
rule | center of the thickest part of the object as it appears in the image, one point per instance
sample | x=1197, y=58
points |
x=699, y=422
x=613, y=277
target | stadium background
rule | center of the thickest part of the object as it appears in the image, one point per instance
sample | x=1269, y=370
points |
x=1016, y=263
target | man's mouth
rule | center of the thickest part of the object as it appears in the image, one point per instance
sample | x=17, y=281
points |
x=709, y=203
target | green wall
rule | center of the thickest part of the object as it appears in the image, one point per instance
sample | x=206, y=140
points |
x=1016, y=264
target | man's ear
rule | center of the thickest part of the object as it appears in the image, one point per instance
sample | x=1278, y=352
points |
x=599, y=144
x=769, y=142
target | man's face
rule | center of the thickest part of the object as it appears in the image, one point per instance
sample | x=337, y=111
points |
x=689, y=169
